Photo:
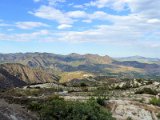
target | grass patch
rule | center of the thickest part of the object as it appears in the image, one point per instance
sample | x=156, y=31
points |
x=155, y=101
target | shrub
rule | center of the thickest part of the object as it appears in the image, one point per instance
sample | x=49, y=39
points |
x=83, y=84
x=102, y=91
x=158, y=115
x=155, y=101
x=101, y=101
x=34, y=106
x=146, y=91
x=129, y=118
x=58, y=109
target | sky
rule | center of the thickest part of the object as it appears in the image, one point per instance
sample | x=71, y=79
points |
x=117, y=28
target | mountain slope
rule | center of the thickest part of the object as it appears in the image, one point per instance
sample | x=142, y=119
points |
x=13, y=74
x=9, y=81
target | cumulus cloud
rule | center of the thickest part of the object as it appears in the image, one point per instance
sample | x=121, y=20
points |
x=51, y=13
x=77, y=14
x=64, y=26
x=69, y=17
x=113, y=4
x=30, y=25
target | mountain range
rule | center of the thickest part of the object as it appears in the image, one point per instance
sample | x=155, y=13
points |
x=17, y=69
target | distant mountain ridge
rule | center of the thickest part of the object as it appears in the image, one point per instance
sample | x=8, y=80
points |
x=139, y=59
x=48, y=60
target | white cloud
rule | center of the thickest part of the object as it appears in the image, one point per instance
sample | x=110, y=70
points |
x=52, y=13
x=3, y=24
x=87, y=21
x=69, y=17
x=154, y=21
x=78, y=6
x=23, y=37
x=30, y=25
x=64, y=26
x=147, y=8
x=55, y=2
x=104, y=33
x=99, y=15
x=77, y=14
x=113, y=4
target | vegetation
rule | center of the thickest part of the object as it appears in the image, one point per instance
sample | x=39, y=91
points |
x=58, y=109
x=83, y=84
x=101, y=101
x=19, y=92
x=129, y=118
x=158, y=115
x=102, y=91
x=146, y=91
x=155, y=101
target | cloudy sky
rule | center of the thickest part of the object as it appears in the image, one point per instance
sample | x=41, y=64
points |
x=105, y=27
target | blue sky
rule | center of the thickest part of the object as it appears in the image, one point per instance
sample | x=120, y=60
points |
x=105, y=27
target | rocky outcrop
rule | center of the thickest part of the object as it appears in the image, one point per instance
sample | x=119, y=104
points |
x=14, y=112
x=124, y=109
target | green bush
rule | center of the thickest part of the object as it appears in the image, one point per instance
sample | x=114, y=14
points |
x=155, y=101
x=83, y=84
x=35, y=106
x=146, y=91
x=129, y=118
x=101, y=101
x=158, y=115
x=58, y=109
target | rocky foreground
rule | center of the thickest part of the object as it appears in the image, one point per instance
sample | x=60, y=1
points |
x=124, y=110
x=14, y=112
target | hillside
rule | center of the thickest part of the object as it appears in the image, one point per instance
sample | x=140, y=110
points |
x=9, y=81
x=13, y=75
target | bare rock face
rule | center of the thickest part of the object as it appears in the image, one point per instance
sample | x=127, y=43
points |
x=14, y=112
x=124, y=109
